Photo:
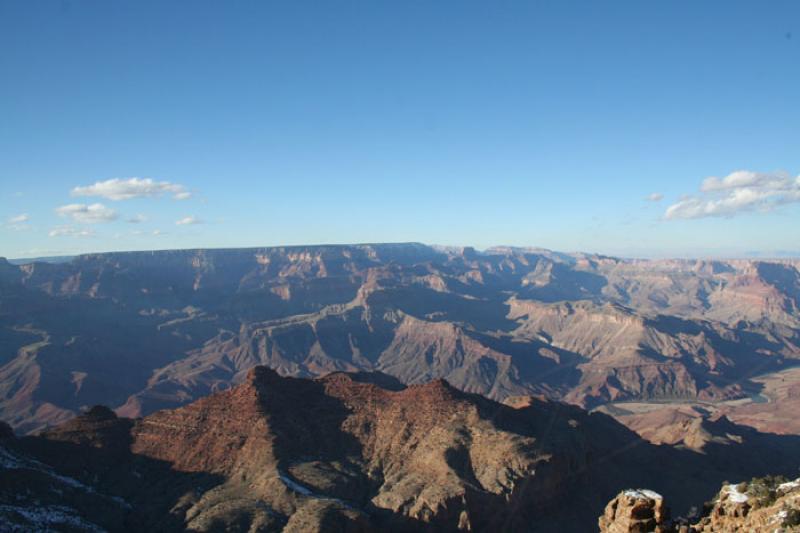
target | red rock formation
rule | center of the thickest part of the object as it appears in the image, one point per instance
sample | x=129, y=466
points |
x=635, y=511
x=765, y=504
x=143, y=331
x=360, y=451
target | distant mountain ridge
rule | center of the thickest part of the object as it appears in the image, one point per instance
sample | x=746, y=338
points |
x=47, y=259
x=141, y=331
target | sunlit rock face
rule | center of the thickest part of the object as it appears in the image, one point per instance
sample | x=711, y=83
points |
x=142, y=331
x=363, y=452
x=762, y=504
x=635, y=511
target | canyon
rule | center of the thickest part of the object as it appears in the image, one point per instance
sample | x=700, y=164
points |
x=402, y=386
x=353, y=452
x=142, y=331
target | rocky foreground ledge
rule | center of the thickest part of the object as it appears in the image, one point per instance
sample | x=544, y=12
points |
x=765, y=504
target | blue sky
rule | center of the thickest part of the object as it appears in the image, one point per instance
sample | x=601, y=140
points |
x=462, y=123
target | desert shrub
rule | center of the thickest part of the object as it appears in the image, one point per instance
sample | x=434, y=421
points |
x=763, y=489
x=792, y=518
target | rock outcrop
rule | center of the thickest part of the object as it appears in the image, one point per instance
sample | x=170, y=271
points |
x=767, y=504
x=761, y=505
x=635, y=511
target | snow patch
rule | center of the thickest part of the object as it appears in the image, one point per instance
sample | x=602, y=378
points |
x=643, y=494
x=41, y=518
x=13, y=461
x=8, y=460
x=305, y=491
x=734, y=495
x=295, y=486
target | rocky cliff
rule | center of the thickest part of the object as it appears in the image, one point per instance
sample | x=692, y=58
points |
x=353, y=452
x=769, y=504
x=142, y=331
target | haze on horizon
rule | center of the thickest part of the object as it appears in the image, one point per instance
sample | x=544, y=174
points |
x=631, y=129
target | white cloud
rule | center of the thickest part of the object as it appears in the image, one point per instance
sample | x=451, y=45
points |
x=654, y=197
x=128, y=188
x=18, y=222
x=745, y=178
x=70, y=231
x=185, y=221
x=739, y=192
x=158, y=232
x=88, y=214
x=137, y=219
